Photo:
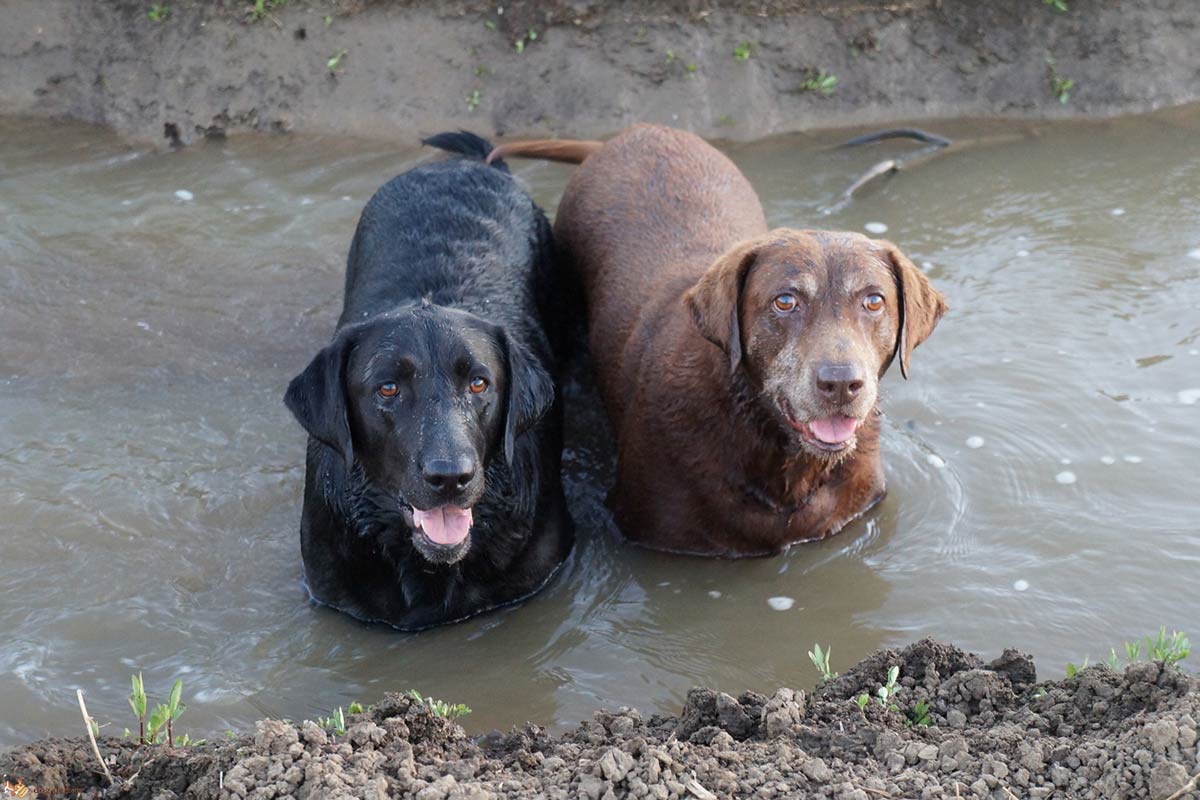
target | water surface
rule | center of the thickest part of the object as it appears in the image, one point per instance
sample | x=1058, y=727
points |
x=1042, y=459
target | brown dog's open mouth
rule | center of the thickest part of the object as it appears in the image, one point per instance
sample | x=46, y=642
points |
x=831, y=434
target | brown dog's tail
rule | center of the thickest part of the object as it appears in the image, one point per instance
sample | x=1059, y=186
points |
x=568, y=151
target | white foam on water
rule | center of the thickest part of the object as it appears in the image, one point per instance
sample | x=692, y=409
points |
x=1021, y=585
x=1065, y=477
x=714, y=594
x=1194, y=254
x=1023, y=253
x=781, y=603
x=1109, y=460
x=1064, y=461
x=306, y=201
x=974, y=442
x=926, y=265
x=936, y=460
x=1117, y=212
x=1189, y=397
x=1133, y=459
x=184, y=194
x=875, y=227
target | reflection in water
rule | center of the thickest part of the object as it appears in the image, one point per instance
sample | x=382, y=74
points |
x=153, y=307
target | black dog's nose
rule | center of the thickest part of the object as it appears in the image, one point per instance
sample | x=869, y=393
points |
x=839, y=383
x=448, y=473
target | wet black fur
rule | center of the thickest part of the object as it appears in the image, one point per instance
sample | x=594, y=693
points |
x=459, y=234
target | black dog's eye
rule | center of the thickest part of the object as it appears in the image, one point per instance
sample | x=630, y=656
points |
x=873, y=303
x=388, y=390
x=478, y=385
x=784, y=303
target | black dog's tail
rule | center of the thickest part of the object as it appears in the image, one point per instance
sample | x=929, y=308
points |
x=465, y=143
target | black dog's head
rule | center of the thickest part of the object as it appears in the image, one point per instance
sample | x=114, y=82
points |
x=422, y=399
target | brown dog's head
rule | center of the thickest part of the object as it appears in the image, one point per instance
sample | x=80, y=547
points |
x=814, y=319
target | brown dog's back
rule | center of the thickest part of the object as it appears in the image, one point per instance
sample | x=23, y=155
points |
x=641, y=219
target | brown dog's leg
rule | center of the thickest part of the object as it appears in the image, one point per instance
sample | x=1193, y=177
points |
x=568, y=151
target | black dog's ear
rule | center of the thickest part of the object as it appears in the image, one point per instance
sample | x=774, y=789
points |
x=317, y=398
x=530, y=394
x=714, y=299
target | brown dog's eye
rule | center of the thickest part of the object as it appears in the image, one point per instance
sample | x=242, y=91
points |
x=873, y=303
x=478, y=385
x=389, y=390
x=784, y=303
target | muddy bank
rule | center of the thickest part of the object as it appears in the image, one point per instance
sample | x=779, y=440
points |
x=176, y=71
x=992, y=731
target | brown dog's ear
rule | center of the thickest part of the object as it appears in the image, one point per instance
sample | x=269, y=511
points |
x=921, y=306
x=714, y=299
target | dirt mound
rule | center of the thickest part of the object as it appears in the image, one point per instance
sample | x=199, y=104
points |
x=952, y=727
x=581, y=68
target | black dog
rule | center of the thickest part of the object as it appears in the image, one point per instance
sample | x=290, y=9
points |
x=432, y=489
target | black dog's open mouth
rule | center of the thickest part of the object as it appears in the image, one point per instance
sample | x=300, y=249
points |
x=443, y=534
x=831, y=434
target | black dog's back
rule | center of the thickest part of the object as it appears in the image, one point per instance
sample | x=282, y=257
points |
x=454, y=232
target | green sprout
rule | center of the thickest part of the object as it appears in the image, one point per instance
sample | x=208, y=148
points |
x=473, y=100
x=137, y=701
x=819, y=81
x=165, y=715
x=440, y=708
x=919, y=716
x=1058, y=5
x=335, y=61
x=742, y=52
x=820, y=660
x=159, y=12
x=1062, y=88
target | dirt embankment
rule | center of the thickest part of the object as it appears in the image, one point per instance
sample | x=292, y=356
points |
x=174, y=71
x=993, y=732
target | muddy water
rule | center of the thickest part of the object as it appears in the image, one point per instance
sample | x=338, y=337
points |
x=1042, y=459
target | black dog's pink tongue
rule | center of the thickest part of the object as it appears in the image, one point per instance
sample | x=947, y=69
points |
x=835, y=429
x=447, y=525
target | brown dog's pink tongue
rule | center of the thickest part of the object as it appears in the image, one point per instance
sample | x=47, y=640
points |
x=833, y=430
x=447, y=525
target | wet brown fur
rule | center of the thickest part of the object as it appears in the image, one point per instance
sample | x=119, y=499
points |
x=670, y=241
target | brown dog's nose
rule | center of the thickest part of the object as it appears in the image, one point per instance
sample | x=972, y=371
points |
x=839, y=383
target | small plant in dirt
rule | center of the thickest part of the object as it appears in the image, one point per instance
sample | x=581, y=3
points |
x=440, y=708
x=528, y=38
x=137, y=701
x=165, y=714
x=725, y=120
x=919, y=715
x=820, y=82
x=820, y=660
x=1057, y=5
x=159, y=12
x=336, y=60
x=742, y=52
x=473, y=100
x=261, y=8
x=1168, y=649
x=335, y=723
x=885, y=695
x=1062, y=88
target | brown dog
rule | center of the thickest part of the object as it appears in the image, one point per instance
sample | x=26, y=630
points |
x=739, y=366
